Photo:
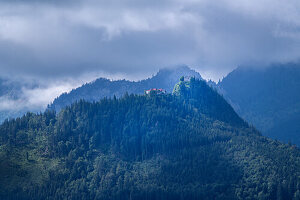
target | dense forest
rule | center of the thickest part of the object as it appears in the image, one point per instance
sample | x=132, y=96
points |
x=186, y=145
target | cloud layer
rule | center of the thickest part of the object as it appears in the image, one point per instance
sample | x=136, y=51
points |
x=54, y=38
x=64, y=43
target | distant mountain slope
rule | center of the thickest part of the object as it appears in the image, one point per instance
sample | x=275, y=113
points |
x=190, y=145
x=268, y=98
x=94, y=91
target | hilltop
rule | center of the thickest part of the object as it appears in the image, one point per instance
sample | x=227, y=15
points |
x=186, y=145
x=94, y=91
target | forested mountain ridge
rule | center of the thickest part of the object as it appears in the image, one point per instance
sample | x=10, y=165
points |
x=268, y=98
x=16, y=94
x=189, y=145
x=102, y=87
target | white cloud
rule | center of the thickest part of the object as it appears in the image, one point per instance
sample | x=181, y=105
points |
x=32, y=99
x=74, y=37
x=35, y=95
x=82, y=40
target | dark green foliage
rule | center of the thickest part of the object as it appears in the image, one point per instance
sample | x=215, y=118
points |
x=190, y=145
x=198, y=94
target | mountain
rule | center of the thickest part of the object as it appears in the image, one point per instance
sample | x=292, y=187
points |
x=100, y=88
x=268, y=98
x=186, y=145
x=14, y=101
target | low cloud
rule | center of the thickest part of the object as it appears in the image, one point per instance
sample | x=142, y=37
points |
x=34, y=100
x=29, y=94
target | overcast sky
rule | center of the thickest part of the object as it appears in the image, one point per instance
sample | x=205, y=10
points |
x=73, y=39
x=58, y=38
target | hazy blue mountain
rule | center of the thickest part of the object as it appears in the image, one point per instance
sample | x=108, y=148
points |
x=269, y=98
x=102, y=87
x=188, y=145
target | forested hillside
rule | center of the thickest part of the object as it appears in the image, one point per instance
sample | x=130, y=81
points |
x=268, y=98
x=100, y=88
x=189, y=145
